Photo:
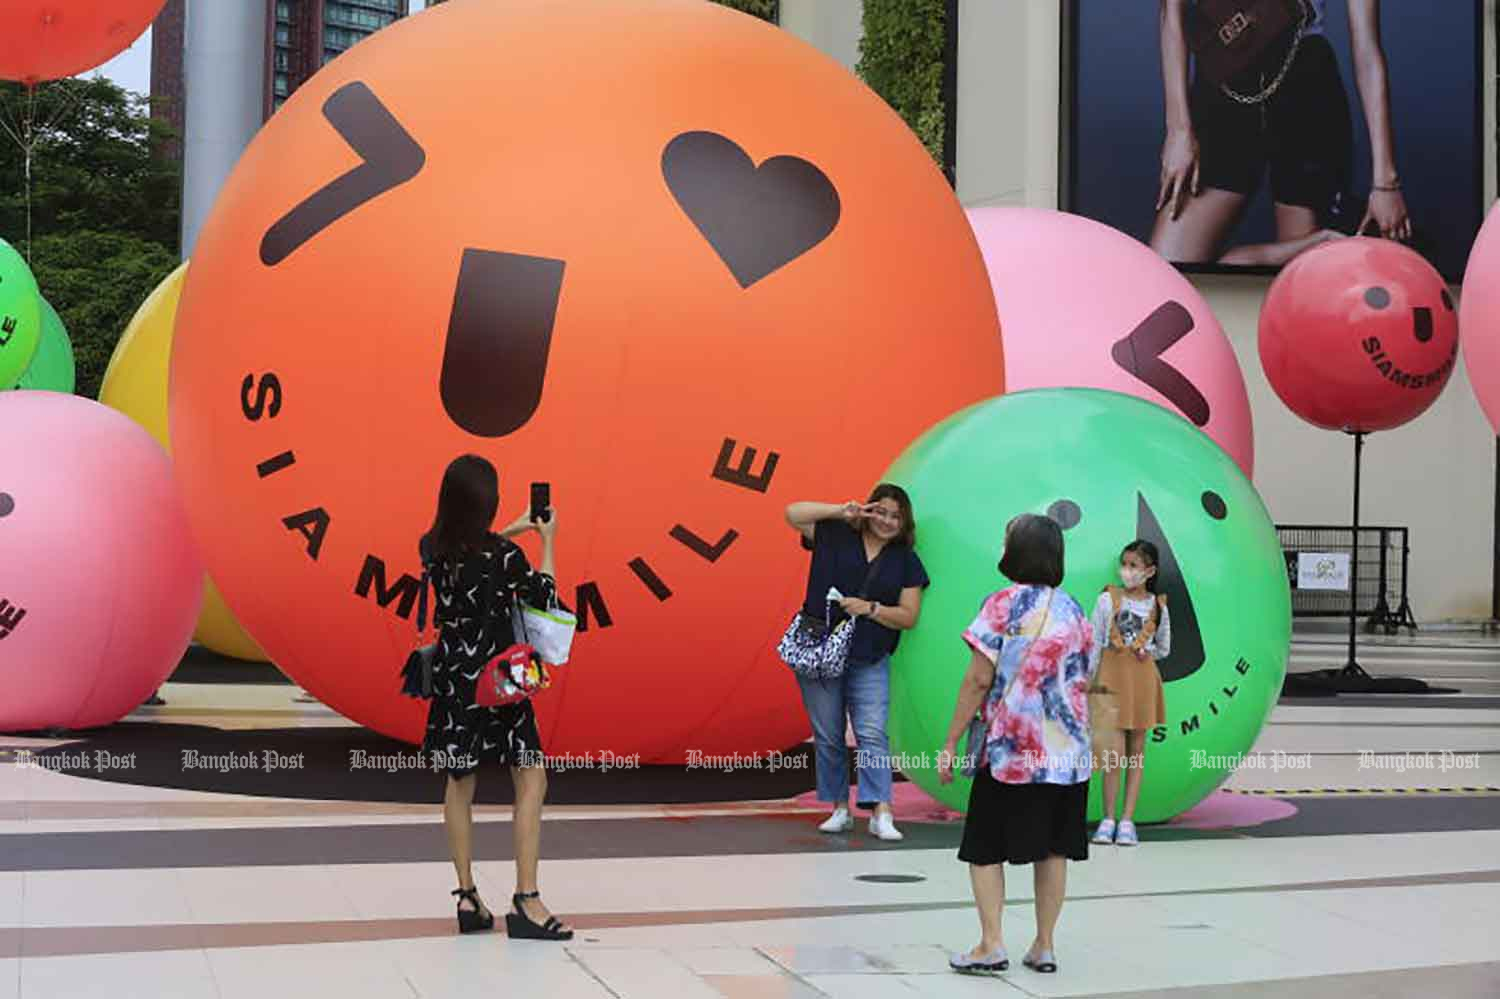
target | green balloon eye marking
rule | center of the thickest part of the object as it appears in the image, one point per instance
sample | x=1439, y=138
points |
x=1066, y=513
x=1213, y=505
x=1060, y=451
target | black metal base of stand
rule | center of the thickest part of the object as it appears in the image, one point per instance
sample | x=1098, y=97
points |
x=1332, y=682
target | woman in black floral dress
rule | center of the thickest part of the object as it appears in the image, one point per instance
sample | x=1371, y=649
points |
x=477, y=576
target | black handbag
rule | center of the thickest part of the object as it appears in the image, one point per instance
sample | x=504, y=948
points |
x=1230, y=38
x=416, y=675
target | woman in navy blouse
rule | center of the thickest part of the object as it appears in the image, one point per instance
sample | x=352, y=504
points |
x=853, y=543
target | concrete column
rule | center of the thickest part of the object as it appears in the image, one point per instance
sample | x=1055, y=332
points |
x=834, y=27
x=224, y=67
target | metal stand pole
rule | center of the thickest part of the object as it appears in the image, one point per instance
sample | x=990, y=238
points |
x=1352, y=667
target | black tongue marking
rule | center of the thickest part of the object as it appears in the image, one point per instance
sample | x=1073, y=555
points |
x=1140, y=354
x=499, y=336
x=1422, y=323
x=1187, y=641
x=757, y=219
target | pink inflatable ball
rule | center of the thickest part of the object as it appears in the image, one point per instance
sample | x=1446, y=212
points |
x=1479, y=318
x=99, y=580
x=1083, y=305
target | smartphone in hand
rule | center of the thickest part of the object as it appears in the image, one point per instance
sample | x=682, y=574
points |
x=541, y=502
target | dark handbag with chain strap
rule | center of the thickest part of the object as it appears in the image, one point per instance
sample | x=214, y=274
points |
x=416, y=675
x=1229, y=38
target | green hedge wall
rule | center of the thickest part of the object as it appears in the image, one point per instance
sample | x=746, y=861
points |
x=763, y=9
x=902, y=57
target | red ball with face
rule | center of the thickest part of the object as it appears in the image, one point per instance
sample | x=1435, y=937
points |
x=656, y=253
x=1358, y=335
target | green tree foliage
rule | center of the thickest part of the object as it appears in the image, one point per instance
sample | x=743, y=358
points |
x=902, y=57
x=105, y=211
x=96, y=281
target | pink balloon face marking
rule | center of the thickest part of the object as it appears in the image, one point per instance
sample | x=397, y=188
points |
x=1140, y=354
x=1085, y=306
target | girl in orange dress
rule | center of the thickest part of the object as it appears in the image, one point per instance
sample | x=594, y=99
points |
x=1131, y=633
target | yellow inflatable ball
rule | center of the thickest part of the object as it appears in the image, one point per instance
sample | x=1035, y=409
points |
x=135, y=383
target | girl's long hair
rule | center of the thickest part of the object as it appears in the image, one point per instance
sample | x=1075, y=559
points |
x=467, y=502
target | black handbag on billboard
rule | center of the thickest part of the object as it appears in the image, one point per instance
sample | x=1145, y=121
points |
x=1231, y=38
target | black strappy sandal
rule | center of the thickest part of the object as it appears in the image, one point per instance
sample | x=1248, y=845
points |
x=472, y=920
x=520, y=926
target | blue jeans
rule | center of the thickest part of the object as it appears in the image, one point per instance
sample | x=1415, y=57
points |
x=863, y=695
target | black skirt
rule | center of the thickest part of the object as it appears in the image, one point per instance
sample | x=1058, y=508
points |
x=1024, y=823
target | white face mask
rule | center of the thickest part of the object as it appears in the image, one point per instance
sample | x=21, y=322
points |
x=1132, y=577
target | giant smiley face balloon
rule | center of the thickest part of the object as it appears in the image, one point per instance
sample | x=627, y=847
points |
x=1084, y=305
x=1358, y=335
x=20, y=316
x=656, y=253
x=1109, y=469
x=1479, y=318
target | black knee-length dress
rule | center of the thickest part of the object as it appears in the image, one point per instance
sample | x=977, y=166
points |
x=461, y=735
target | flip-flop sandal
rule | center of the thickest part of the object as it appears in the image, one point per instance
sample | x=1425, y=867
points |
x=1045, y=962
x=987, y=964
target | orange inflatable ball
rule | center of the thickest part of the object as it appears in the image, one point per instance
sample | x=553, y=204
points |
x=662, y=256
x=51, y=39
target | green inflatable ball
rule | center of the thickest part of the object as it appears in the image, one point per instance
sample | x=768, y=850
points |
x=20, y=316
x=51, y=367
x=1108, y=468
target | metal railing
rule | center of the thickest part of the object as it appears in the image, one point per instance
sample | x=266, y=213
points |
x=1381, y=589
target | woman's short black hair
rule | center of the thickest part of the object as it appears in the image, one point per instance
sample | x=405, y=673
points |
x=1033, y=551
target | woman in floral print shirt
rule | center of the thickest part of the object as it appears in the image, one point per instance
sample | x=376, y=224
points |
x=1028, y=676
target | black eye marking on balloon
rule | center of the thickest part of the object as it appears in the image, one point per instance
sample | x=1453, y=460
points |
x=1447, y=300
x=1187, y=655
x=7, y=504
x=758, y=219
x=7, y=327
x=1377, y=297
x=1421, y=323
x=1140, y=354
x=1065, y=513
x=499, y=337
x=1214, y=505
x=391, y=158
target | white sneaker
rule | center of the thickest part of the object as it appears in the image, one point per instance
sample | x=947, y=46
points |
x=839, y=821
x=1106, y=832
x=882, y=826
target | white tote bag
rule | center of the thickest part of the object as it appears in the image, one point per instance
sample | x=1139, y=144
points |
x=548, y=631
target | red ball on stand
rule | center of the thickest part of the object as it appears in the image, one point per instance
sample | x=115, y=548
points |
x=1358, y=335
